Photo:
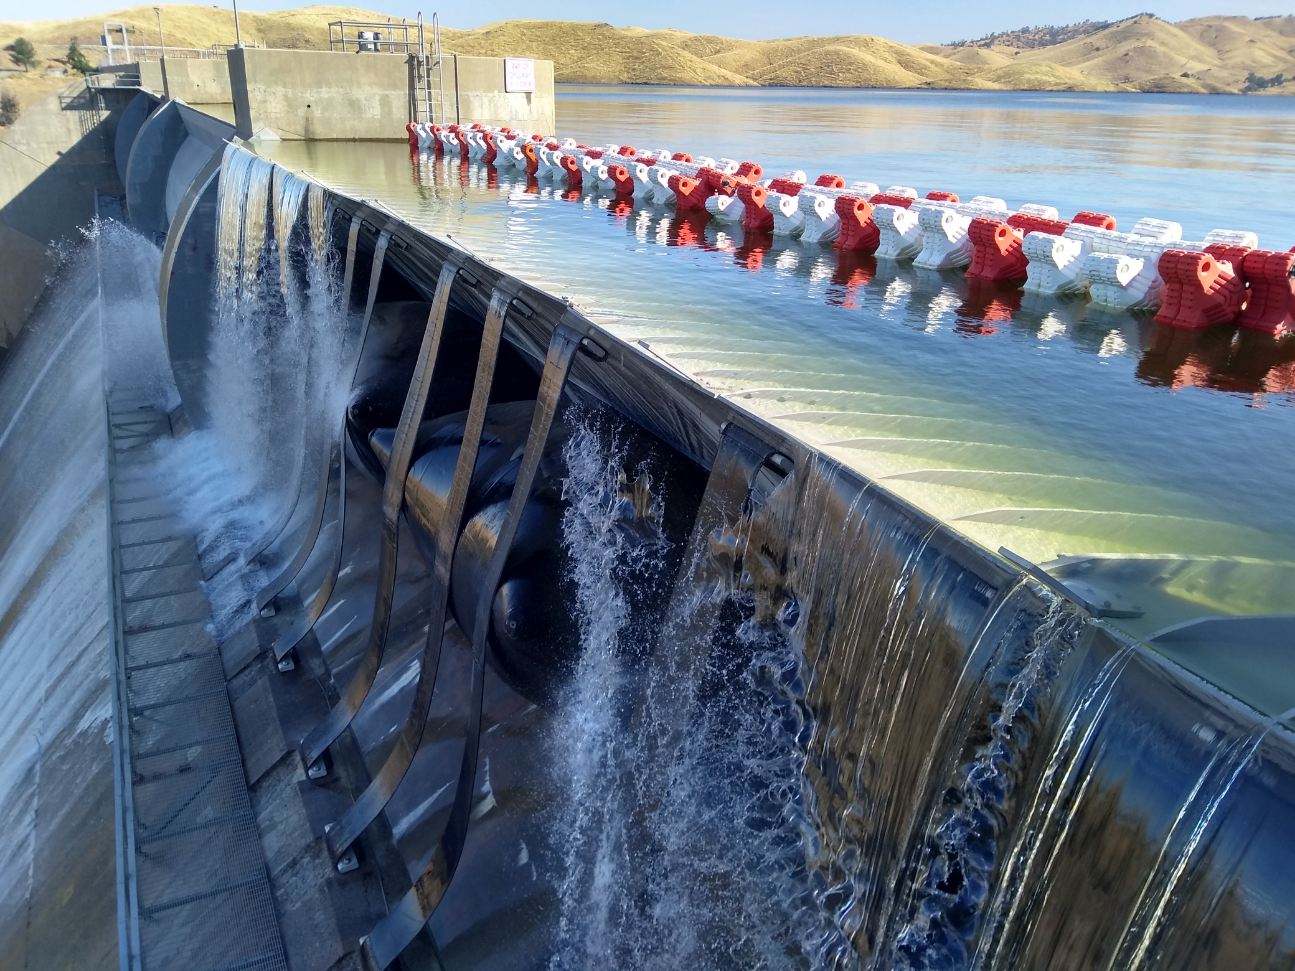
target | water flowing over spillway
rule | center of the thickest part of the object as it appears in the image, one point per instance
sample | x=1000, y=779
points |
x=277, y=349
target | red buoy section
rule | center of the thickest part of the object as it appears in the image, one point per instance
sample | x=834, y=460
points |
x=829, y=181
x=1024, y=222
x=887, y=199
x=859, y=233
x=1271, y=304
x=1099, y=219
x=692, y=193
x=756, y=218
x=787, y=187
x=532, y=157
x=996, y=255
x=622, y=181
x=1200, y=290
x=575, y=178
x=939, y=195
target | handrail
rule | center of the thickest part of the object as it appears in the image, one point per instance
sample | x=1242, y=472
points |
x=376, y=44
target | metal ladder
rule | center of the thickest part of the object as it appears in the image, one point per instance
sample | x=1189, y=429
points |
x=428, y=75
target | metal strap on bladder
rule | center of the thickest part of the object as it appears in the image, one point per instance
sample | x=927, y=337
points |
x=394, y=932
x=733, y=472
x=342, y=834
x=741, y=455
x=393, y=496
x=334, y=472
x=272, y=534
x=314, y=523
x=291, y=639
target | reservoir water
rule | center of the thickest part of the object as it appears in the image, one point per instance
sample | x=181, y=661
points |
x=1042, y=425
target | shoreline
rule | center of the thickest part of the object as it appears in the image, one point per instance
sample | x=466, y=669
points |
x=925, y=88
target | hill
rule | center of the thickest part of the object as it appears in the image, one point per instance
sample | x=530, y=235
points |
x=193, y=26
x=1142, y=53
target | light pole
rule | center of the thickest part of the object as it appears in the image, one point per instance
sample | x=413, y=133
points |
x=238, y=34
x=161, y=46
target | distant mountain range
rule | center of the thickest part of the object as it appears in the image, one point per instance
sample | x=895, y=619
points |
x=1144, y=53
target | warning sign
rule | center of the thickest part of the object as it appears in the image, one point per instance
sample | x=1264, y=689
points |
x=519, y=75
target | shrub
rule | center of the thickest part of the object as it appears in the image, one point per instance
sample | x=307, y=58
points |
x=8, y=109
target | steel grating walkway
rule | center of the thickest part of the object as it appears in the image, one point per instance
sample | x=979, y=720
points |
x=194, y=889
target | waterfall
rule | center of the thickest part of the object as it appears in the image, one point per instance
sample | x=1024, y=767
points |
x=681, y=828
x=276, y=351
x=960, y=855
x=588, y=741
x=241, y=222
x=241, y=350
x=318, y=212
x=289, y=194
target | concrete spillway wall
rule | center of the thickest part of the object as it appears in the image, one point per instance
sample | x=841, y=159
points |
x=52, y=159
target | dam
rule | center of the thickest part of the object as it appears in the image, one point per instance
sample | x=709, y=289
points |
x=505, y=570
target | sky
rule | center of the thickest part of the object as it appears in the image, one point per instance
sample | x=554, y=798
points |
x=913, y=21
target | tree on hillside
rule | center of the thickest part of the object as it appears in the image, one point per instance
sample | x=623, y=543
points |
x=76, y=59
x=22, y=53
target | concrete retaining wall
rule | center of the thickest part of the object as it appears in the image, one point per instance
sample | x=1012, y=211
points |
x=51, y=162
x=347, y=96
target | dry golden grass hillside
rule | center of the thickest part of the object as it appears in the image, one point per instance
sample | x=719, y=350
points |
x=1144, y=53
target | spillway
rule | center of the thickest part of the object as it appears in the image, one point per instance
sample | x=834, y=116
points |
x=454, y=626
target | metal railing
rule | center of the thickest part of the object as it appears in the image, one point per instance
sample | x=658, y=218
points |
x=127, y=77
x=376, y=36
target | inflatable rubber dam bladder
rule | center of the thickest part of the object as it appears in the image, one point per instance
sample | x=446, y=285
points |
x=954, y=731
